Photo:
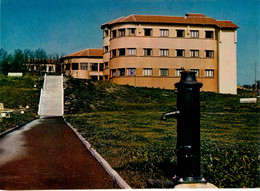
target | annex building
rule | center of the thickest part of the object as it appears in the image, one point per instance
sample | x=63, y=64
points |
x=151, y=51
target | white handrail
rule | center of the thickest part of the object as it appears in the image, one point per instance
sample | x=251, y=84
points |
x=44, y=83
x=62, y=96
x=40, y=103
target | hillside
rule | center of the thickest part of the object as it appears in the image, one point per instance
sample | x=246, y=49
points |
x=124, y=125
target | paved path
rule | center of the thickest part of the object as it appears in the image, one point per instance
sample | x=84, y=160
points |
x=46, y=154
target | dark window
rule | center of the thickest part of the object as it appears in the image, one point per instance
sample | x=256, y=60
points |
x=100, y=78
x=121, y=52
x=209, y=34
x=67, y=67
x=101, y=66
x=113, y=53
x=105, y=48
x=121, y=32
x=121, y=72
x=94, y=66
x=147, y=32
x=105, y=33
x=94, y=78
x=209, y=54
x=131, y=31
x=180, y=33
x=106, y=65
x=113, y=33
x=147, y=51
x=83, y=66
x=179, y=52
x=75, y=66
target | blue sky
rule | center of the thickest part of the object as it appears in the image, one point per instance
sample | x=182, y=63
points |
x=67, y=26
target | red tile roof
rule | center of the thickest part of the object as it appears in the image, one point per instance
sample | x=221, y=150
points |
x=190, y=18
x=87, y=53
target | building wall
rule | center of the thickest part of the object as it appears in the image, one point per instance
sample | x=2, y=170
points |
x=157, y=62
x=227, y=61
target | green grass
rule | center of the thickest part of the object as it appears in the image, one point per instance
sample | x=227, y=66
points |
x=16, y=93
x=124, y=125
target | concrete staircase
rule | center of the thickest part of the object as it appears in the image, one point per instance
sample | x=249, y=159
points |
x=51, y=100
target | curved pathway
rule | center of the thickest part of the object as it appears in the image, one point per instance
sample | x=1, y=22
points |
x=46, y=154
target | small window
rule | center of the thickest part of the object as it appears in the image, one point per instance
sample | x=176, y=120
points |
x=101, y=66
x=196, y=72
x=209, y=73
x=83, y=66
x=67, y=67
x=194, y=34
x=164, y=52
x=180, y=33
x=147, y=52
x=147, y=32
x=131, y=71
x=131, y=31
x=180, y=53
x=113, y=53
x=51, y=68
x=131, y=51
x=209, y=34
x=164, y=72
x=94, y=66
x=105, y=49
x=105, y=33
x=113, y=33
x=194, y=53
x=106, y=65
x=121, y=52
x=121, y=72
x=178, y=72
x=75, y=66
x=209, y=54
x=121, y=32
x=147, y=71
x=113, y=73
x=164, y=32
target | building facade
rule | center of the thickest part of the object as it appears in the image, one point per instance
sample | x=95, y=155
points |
x=85, y=64
x=42, y=66
x=151, y=51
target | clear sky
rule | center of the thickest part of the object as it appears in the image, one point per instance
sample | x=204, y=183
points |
x=67, y=26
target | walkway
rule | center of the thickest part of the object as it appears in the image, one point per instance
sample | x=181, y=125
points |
x=46, y=154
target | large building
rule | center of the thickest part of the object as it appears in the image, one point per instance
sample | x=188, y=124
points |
x=85, y=64
x=151, y=51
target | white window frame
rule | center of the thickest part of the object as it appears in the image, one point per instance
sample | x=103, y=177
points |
x=113, y=73
x=131, y=51
x=195, y=70
x=146, y=50
x=209, y=73
x=164, y=32
x=147, y=71
x=164, y=52
x=178, y=72
x=131, y=31
x=194, y=53
x=211, y=53
x=164, y=72
x=194, y=34
x=84, y=66
x=131, y=71
x=121, y=32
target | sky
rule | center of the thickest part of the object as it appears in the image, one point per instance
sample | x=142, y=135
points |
x=67, y=26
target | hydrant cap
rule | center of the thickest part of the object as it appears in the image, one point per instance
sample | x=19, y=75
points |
x=188, y=79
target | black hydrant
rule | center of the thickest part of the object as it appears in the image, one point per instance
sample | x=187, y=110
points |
x=188, y=129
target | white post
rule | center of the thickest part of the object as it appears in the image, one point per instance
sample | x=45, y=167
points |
x=62, y=96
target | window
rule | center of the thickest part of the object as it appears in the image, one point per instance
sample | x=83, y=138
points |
x=106, y=78
x=131, y=31
x=121, y=32
x=164, y=72
x=51, y=68
x=94, y=66
x=67, y=67
x=101, y=66
x=113, y=53
x=147, y=71
x=105, y=33
x=147, y=32
x=209, y=73
x=100, y=78
x=131, y=51
x=121, y=52
x=105, y=48
x=147, y=52
x=121, y=72
x=164, y=52
x=94, y=78
x=164, y=32
x=113, y=33
x=208, y=34
x=180, y=33
x=75, y=66
x=106, y=65
x=194, y=34
x=196, y=72
x=194, y=53
x=179, y=52
x=83, y=66
x=178, y=72
x=131, y=71
x=209, y=54
x=113, y=73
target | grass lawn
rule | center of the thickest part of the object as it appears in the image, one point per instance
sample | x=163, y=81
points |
x=124, y=125
x=16, y=93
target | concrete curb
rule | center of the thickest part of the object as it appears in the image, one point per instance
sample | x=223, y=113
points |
x=101, y=160
x=15, y=128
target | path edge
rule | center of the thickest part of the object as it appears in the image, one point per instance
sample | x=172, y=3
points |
x=119, y=180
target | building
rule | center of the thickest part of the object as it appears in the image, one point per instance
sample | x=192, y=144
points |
x=42, y=66
x=151, y=51
x=85, y=64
